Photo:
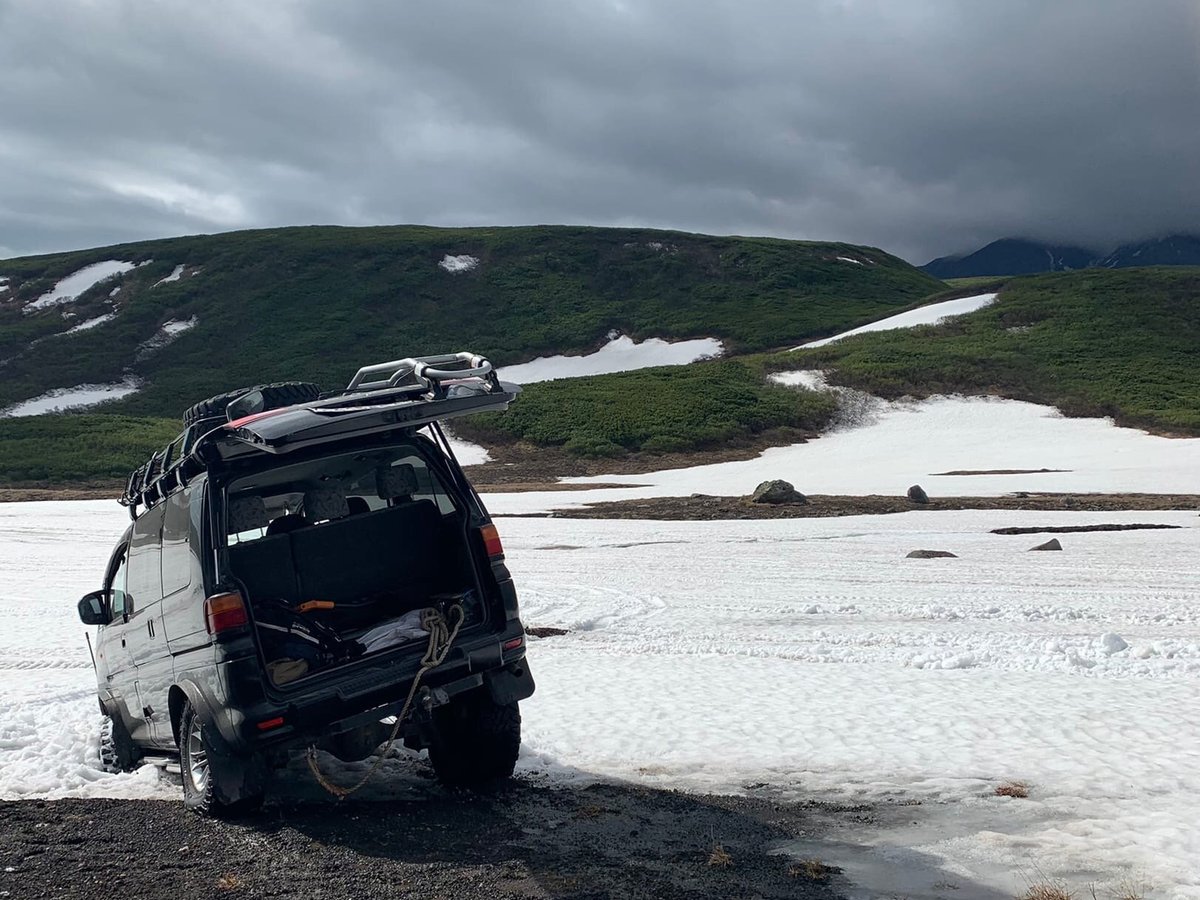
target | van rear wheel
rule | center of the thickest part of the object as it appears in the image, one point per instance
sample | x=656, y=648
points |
x=476, y=741
x=202, y=761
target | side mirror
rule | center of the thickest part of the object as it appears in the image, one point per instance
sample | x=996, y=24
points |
x=92, y=609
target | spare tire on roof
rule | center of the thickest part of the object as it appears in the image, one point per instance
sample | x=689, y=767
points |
x=267, y=396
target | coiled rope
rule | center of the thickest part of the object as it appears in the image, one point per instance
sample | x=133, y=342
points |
x=441, y=638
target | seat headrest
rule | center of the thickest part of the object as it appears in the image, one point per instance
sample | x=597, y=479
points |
x=393, y=482
x=324, y=503
x=247, y=513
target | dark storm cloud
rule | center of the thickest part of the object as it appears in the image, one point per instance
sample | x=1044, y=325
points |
x=921, y=127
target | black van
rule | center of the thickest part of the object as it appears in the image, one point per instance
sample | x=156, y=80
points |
x=312, y=571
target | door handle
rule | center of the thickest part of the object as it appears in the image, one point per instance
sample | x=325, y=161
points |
x=122, y=642
x=150, y=627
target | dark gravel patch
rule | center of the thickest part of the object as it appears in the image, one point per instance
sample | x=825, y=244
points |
x=703, y=507
x=603, y=841
x=1068, y=529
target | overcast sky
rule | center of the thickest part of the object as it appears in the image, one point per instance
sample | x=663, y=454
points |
x=919, y=126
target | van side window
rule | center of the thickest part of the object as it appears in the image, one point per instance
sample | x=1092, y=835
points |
x=176, y=534
x=116, y=587
x=143, y=585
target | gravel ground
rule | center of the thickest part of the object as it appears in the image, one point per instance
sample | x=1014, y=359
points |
x=701, y=506
x=526, y=841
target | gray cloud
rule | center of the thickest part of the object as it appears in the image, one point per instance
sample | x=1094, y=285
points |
x=923, y=127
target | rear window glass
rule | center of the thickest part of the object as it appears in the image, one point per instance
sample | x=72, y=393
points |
x=309, y=493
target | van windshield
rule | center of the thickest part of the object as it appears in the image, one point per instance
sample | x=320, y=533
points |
x=335, y=487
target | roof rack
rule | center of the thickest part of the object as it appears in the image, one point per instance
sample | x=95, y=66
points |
x=415, y=371
x=465, y=380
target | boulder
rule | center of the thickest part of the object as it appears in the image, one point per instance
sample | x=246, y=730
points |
x=1051, y=544
x=1111, y=643
x=930, y=554
x=917, y=494
x=777, y=491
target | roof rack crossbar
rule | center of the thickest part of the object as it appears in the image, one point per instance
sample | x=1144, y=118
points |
x=446, y=367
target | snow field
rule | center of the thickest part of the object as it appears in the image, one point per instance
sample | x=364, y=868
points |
x=924, y=440
x=925, y=315
x=75, y=284
x=808, y=654
x=78, y=397
x=620, y=354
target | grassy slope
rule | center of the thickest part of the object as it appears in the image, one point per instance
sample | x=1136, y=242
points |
x=315, y=303
x=1123, y=343
x=76, y=449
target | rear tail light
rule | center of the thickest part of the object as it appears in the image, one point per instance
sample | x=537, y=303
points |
x=223, y=612
x=514, y=643
x=268, y=724
x=491, y=541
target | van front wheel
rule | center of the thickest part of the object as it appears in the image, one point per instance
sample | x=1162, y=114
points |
x=476, y=741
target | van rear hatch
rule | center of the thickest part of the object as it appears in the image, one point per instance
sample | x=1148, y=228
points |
x=284, y=430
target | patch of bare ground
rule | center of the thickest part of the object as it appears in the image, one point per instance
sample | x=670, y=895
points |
x=999, y=472
x=1017, y=789
x=702, y=506
x=525, y=842
x=32, y=492
x=1069, y=529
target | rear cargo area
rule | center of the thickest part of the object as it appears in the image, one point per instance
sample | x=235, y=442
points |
x=338, y=557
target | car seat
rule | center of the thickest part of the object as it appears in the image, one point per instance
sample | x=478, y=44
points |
x=324, y=505
x=396, y=484
x=247, y=513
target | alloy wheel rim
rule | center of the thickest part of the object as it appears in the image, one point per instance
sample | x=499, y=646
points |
x=197, y=758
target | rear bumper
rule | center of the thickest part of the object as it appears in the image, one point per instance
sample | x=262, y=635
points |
x=251, y=721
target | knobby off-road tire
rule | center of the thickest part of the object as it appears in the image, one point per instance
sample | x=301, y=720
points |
x=476, y=741
x=197, y=755
x=117, y=750
x=282, y=393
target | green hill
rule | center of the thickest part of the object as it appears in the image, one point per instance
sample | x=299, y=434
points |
x=315, y=303
x=1122, y=343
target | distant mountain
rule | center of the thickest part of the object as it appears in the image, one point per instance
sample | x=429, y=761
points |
x=1176, y=250
x=1010, y=256
x=1014, y=256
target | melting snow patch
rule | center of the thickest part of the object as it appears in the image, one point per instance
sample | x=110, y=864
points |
x=78, y=397
x=466, y=453
x=850, y=259
x=456, y=264
x=174, y=276
x=168, y=332
x=620, y=354
x=91, y=323
x=3, y=283
x=810, y=379
x=925, y=315
x=75, y=284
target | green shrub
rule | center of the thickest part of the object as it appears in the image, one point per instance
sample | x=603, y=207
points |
x=64, y=448
x=667, y=409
